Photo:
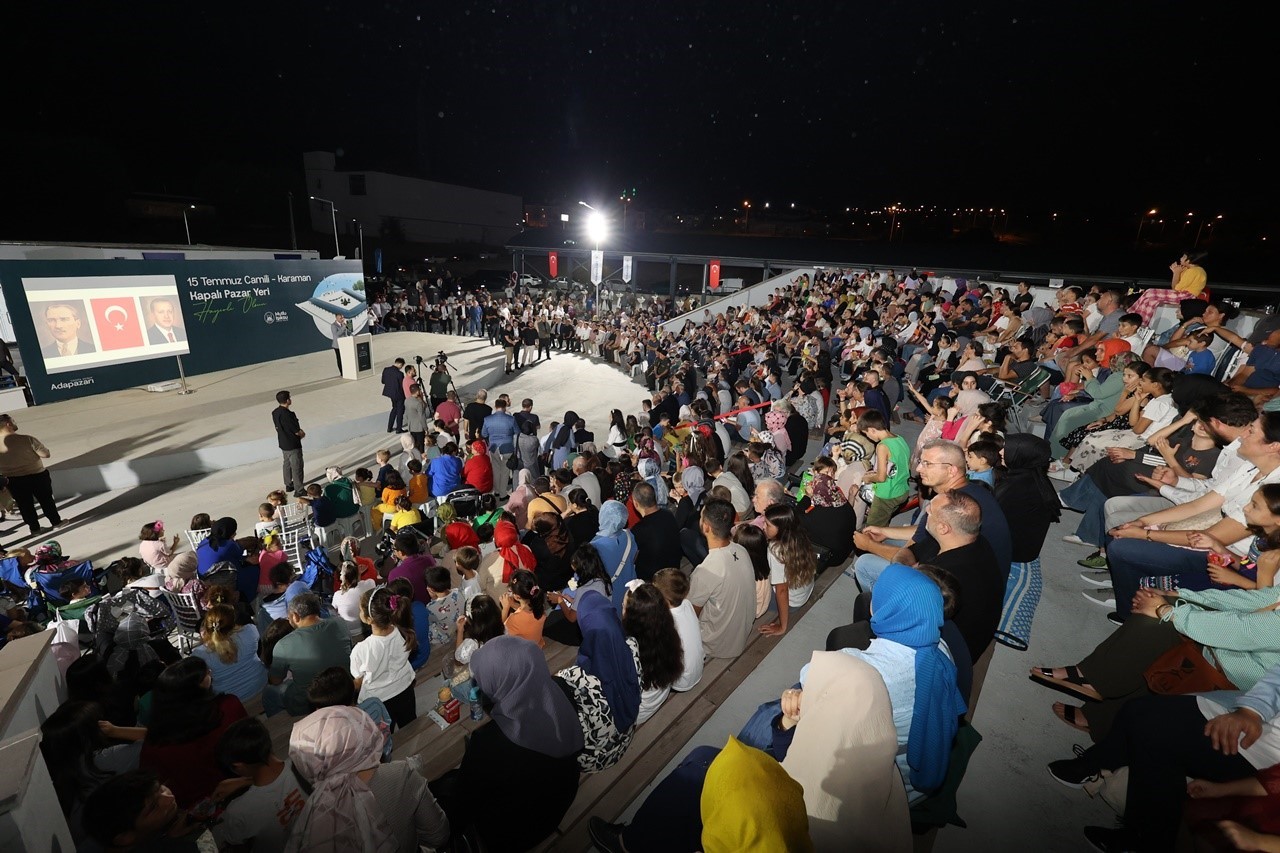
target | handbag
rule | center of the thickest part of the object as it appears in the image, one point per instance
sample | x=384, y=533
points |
x=513, y=462
x=622, y=564
x=603, y=744
x=1183, y=669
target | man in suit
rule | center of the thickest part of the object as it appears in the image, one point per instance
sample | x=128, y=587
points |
x=161, y=329
x=393, y=389
x=64, y=322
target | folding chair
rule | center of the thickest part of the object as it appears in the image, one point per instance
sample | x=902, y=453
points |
x=187, y=617
x=195, y=537
x=1019, y=394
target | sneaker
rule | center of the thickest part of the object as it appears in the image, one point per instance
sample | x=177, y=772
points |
x=1102, y=598
x=1073, y=772
x=1115, y=618
x=1035, y=419
x=1064, y=475
x=1100, y=581
x=1095, y=562
x=606, y=836
x=1076, y=540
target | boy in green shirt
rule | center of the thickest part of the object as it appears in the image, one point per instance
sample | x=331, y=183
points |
x=893, y=466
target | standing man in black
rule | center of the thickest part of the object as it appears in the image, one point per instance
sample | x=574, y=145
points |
x=289, y=436
x=393, y=389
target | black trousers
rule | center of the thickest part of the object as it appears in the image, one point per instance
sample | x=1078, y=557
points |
x=27, y=489
x=337, y=354
x=395, y=418
x=544, y=345
x=1161, y=740
x=403, y=707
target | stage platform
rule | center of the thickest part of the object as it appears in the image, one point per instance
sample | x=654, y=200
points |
x=126, y=439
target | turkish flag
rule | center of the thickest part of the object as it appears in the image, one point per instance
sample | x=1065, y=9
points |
x=118, y=322
x=714, y=274
x=553, y=261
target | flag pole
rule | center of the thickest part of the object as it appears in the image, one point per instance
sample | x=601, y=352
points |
x=182, y=375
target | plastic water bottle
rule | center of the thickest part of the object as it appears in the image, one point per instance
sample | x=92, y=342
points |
x=473, y=699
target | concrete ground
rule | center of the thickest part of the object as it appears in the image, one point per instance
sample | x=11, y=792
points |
x=1008, y=798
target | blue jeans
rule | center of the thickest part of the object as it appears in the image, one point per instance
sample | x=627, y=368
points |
x=273, y=698
x=1085, y=496
x=758, y=731
x=1133, y=559
x=868, y=568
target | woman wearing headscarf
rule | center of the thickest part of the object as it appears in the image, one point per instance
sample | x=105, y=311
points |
x=1113, y=356
x=825, y=513
x=525, y=759
x=917, y=669
x=219, y=546
x=497, y=569
x=563, y=444
x=477, y=471
x=528, y=448
x=518, y=503
x=1030, y=504
x=338, y=752
x=649, y=472
x=604, y=653
x=842, y=753
x=617, y=548
x=775, y=420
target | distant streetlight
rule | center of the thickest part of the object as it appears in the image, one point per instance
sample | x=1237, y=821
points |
x=185, y=223
x=596, y=232
x=1142, y=220
x=746, y=218
x=333, y=212
x=1201, y=228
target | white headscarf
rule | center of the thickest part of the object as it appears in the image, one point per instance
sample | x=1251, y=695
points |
x=843, y=756
x=329, y=748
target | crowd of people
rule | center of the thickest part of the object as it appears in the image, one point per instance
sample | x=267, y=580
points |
x=768, y=449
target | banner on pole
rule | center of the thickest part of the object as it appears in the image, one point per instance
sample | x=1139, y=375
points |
x=553, y=264
x=597, y=266
x=714, y=274
x=626, y=268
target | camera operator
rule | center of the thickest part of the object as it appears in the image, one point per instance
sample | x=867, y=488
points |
x=439, y=382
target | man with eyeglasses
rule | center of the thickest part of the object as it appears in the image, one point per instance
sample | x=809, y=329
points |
x=942, y=469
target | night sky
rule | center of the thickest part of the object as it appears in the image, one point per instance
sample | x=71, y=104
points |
x=1115, y=106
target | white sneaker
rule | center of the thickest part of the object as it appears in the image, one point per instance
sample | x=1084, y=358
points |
x=1100, y=581
x=1076, y=540
x=1101, y=597
x=1065, y=475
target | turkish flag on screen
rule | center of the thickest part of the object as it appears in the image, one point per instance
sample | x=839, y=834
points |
x=714, y=274
x=118, y=322
x=553, y=263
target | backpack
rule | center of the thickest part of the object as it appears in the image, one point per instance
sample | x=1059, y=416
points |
x=318, y=570
x=603, y=744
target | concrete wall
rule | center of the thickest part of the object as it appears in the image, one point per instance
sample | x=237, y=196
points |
x=427, y=211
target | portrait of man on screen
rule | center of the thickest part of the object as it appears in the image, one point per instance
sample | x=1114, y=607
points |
x=162, y=322
x=64, y=322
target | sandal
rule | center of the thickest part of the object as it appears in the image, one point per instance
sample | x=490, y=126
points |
x=1073, y=673
x=1073, y=685
x=1071, y=715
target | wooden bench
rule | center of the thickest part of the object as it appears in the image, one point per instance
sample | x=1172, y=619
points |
x=607, y=794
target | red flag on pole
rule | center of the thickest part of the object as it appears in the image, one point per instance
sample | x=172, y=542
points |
x=553, y=262
x=714, y=274
x=117, y=321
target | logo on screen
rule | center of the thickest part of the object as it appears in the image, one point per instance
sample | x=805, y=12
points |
x=269, y=318
x=117, y=321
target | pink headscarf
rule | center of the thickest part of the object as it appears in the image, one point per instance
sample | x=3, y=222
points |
x=776, y=421
x=518, y=503
x=329, y=748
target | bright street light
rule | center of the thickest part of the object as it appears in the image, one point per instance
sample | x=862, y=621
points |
x=596, y=227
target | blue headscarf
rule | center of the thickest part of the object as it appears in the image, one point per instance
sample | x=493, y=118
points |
x=649, y=470
x=605, y=654
x=906, y=607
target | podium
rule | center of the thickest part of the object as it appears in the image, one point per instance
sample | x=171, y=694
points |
x=356, y=352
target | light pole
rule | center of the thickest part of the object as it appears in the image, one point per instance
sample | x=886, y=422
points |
x=596, y=230
x=360, y=235
x=185, y=223
x=1142, y=220
x=1201, y=228
x=746, y=219
x=333, y=212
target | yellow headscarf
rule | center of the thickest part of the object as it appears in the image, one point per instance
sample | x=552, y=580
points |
x=749, y=803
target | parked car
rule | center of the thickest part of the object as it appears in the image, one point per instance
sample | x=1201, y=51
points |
x=532, y=282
